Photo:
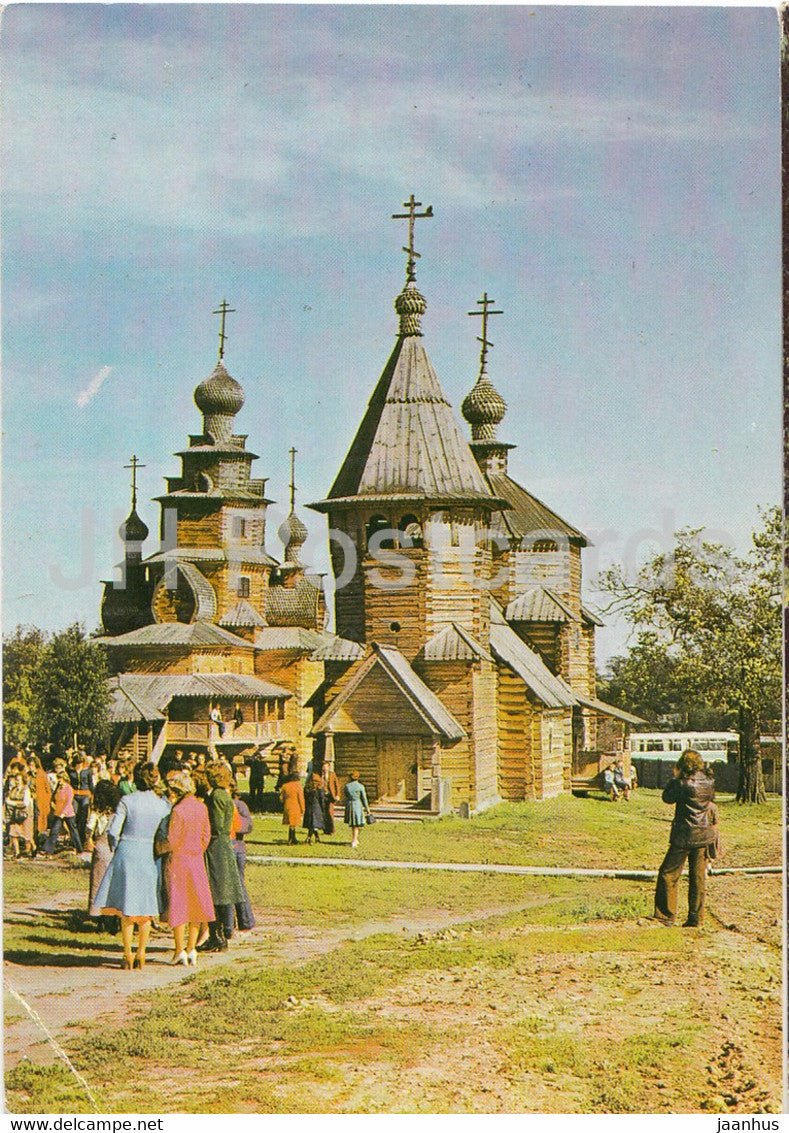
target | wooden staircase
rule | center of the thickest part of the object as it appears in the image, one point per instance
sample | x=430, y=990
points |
x=392, y=812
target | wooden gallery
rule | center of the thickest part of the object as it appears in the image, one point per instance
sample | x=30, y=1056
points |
x=461, y=668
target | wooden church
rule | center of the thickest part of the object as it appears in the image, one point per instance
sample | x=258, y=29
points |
x=461, y=669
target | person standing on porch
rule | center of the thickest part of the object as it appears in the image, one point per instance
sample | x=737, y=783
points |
x=692, y=790
x=357, y=809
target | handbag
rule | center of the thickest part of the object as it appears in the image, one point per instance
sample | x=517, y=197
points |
x=369, y=818
x=16, y=815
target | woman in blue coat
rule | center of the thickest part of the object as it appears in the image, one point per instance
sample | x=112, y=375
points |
x=356, y=806
x=130, y=889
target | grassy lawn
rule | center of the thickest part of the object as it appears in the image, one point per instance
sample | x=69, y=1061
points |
x=509, y=994
x=565, y=831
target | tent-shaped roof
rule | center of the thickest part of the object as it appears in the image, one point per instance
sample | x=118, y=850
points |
x=424, y=703
x=409, y=444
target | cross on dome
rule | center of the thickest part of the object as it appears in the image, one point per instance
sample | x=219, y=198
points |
x=485, y=313
x=411, y=216
x=223, y=310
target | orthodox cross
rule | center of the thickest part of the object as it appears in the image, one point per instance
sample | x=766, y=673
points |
x=412, y=215
x=223, y=310
x=293, y=452
x=135, y=464
x=486, y=304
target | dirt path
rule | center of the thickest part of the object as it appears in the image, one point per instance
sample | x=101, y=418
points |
x=71, y=990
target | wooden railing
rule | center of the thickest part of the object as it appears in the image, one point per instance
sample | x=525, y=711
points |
x=205, y=732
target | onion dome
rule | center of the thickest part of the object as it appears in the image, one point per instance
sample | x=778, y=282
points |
x=219, y=398
x=133, y=530
x=410, y=305
x=484, y=408
x=294, y=535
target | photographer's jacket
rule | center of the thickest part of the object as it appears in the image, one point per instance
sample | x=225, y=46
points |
x=691, y=826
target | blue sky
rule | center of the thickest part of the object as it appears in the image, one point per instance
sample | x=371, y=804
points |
x=610, y=175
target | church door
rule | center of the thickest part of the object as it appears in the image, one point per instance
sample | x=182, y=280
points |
x=398, y=759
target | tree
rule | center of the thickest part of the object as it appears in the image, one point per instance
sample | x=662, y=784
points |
x=648, y=682
x=70, y=693
x=717, y=616
x=22, y=652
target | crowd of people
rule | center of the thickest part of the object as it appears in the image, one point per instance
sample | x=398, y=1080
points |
x=166, y=841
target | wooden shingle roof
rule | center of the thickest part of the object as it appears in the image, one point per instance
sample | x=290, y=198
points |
x=453, y=643
x=526, y=515
x=424, y=702
x=539, y=604
x=144, y=696
x=409, y=444
x=192, y=635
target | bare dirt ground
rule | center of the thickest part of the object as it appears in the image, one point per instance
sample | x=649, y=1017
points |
x=71, y=990
x=728, y=985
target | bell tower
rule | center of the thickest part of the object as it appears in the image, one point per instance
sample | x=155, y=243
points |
x=410, y=503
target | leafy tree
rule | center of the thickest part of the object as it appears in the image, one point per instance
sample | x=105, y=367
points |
x=70, y=694
x=648, y=682
x=717, y=616
x=22, y=652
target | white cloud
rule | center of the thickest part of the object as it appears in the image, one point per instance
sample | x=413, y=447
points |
x=93, y=386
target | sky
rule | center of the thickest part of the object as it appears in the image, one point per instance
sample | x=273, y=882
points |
x=611, y=176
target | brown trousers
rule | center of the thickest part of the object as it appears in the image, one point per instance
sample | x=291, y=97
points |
x=668, y=880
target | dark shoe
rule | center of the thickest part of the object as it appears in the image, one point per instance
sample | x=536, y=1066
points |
x=663, y=920
x=690, y=924
x=214, y=946
x=208, y=945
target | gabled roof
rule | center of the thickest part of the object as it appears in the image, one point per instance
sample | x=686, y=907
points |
x=508, y=647
x=424, y=702
x=453, y=643
x=288, y=637
x=244, y=615
x=191, y=635
x=144, y=696
x=409, y=444
x=529, y=516
x=539, y=604
x=609, y=710
x=337, y=649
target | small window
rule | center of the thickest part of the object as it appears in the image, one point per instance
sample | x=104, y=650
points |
x=280, y=709
x=238, y=528
x=243, y=587
x=379, y=523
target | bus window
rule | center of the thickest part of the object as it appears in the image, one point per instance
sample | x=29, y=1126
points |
x=655, y=745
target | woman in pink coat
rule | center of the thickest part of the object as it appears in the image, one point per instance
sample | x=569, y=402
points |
x=184, y=836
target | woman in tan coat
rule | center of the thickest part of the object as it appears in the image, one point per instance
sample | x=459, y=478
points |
x=293, y=806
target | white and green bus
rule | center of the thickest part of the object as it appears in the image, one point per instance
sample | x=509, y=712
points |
x=714, y=746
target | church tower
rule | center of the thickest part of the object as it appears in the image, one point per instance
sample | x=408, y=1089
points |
x=213, y=519
x=410, y=501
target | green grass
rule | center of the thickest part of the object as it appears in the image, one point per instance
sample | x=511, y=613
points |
x=551, y=998
x=565, y=831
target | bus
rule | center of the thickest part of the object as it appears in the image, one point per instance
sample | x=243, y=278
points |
x=714, y=746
